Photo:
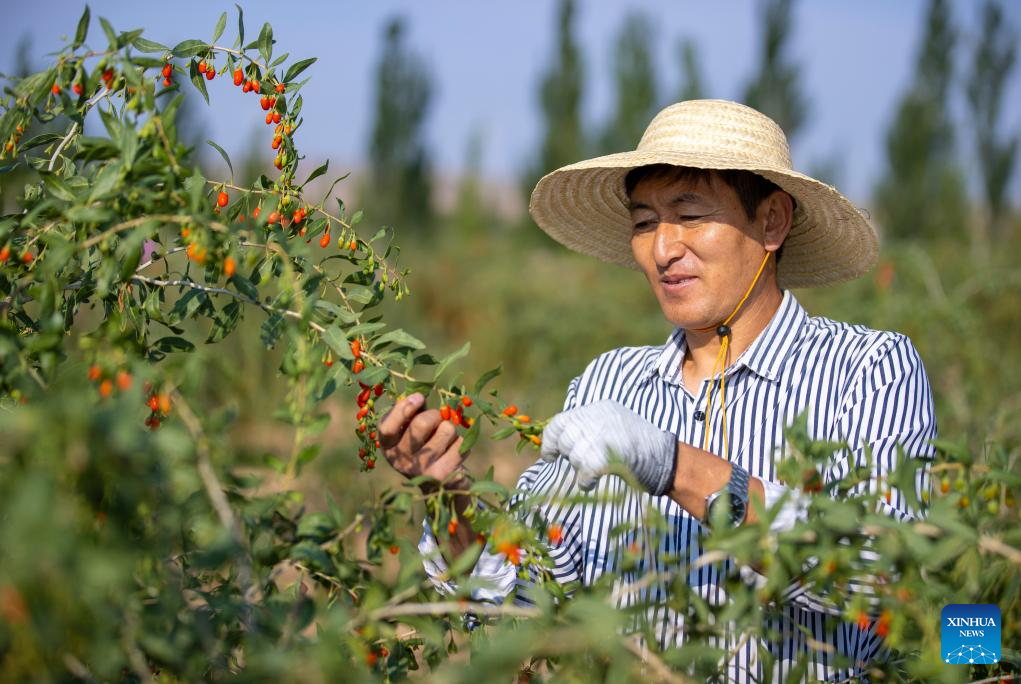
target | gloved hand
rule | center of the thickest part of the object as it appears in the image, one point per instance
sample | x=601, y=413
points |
x=587, y=435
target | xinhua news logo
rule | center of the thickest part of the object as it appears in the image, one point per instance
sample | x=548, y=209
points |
x=970, y=633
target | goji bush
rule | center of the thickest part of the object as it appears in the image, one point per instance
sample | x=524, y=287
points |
x=138, y=542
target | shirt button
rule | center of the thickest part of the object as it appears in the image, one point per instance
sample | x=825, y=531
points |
x=699, y=416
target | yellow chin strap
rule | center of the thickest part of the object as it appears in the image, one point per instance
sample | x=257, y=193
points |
x=723, y=330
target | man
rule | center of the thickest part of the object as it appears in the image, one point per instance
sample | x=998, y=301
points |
x=709, y=209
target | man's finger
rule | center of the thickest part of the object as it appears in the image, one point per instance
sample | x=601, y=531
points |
x=448, y=462
x=422, y=428
x=437, y=446
x=391, y=427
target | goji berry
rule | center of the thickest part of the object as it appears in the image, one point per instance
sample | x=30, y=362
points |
x=524, y=419
x=77, y=88
x=105, y=388
x=394, y=549
x=555, y=533
x=264, y=102
x=238, y=77
x=5, y=253
x=108, y=75
x=276, y=142
x=452, y=527
x=94, y=372
x=356, y=347
x=229, y=267
x=324, y=241
x=247, y=87
x=123, y=380
x=370, y=463
x=378, y=389
x=371, y=658
x=445, y=412
x=353, y=246
x=27, y=257
x=273, y=217
x=55, y=89
x=202, y=67
x=222, y=199
x=153, y=403
x=357, y=367
x=167, y=83
x=863, y=620
x=210, y=74
x=466, y=400
x=269, y=117
x=280, y=87
x=510, y=410
x=276, y=117
x=168, y=70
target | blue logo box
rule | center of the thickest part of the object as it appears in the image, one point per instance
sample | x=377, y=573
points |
x=970, y=633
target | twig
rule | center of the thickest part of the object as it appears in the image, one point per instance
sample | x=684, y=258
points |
x=238, y=53
x=447, y=607
x=654, y=661
x=994, y=545
x=135, y=222
x=63, y=143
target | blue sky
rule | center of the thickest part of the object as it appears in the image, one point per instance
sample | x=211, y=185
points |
x=488, y=57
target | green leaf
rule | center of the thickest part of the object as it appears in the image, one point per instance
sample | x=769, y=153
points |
x=271, y=330
x=297, y=68
x=225, y=323
x=198, y=80
x=450, y=358
x=486, y=377
x=220, y=25
x=146, y=45
x=488, y=487
x=373, y=375
x=223, y=153
x=266, y=42
x=241, y=24
x=502, y=434
x=400, y=339
x=83, y=29
x=189, y=48
x=111, y=35
x=337, y=341
x=171, y=344
x=315, y=174
x=107, y=180
x=471, y=437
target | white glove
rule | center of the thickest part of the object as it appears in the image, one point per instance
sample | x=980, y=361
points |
x=587, y=435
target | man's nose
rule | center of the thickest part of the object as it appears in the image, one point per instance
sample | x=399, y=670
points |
x=668, y=244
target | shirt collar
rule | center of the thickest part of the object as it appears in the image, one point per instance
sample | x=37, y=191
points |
x=765, y=356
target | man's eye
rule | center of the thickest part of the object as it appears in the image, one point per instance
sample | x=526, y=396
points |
x=644, y=225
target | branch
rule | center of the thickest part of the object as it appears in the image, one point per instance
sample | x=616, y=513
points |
x=448, y=607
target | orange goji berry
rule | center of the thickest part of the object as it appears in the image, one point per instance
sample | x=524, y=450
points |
x=105, y=388
x=264, y=102
x=276, y=117
x=269, y=117
x=5, y=253
x=77, y=88
x=863, y=620
x=510, y=410
x=445, y=412
x=356, y=347
x=210, y=74
x=202, y=67
x=524, y=419
x=222, y=199
x=55, y=89
x=273, y=217
x=164, y=402
x=229, y=267
x=466, y=400
x=357, y=367
x=153, y=403
x=555, y=533
x=238, y=77
x=452, y=527
x=276, y=142
x=167, y=83
x=280, y=87
x=535, y=439
x=324, y=241
x=394, y=549
x=353, y=246
x=511, y=551
x=168, y=70
x=94, y=372
x=27, y=257
x=123, y=380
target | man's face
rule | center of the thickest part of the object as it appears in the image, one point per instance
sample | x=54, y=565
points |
x=697, y=247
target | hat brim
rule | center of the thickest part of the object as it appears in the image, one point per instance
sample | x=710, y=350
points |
x=583, y=206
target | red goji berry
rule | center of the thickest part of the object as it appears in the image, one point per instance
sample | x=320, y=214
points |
x=238, y=77
x=222, y=199
x=357, y=367
x=168, y=70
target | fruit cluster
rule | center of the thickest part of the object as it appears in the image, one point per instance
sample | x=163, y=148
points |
x=107, y=382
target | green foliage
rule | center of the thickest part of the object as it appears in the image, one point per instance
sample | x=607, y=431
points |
x=994, y=58
x=691, y=86
x=560, y=96
x=144, y=536
x=775, y=90
x=635, y=84
x=399, y=186
x=923, y=189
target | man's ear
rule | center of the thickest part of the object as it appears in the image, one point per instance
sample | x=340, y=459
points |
x=778, y=211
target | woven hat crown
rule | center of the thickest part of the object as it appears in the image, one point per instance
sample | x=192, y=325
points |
x=718, y=128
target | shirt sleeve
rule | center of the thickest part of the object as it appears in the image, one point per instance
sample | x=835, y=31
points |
x=890, y=411
x=494, y=578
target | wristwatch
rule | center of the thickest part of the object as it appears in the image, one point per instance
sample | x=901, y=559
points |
x=737, y=488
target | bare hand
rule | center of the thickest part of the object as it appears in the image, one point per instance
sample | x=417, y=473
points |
x=419, y=442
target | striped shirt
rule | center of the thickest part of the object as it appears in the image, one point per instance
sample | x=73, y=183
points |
x=856, y=385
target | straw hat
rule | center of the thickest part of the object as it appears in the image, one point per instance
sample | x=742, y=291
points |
x=583, y=205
